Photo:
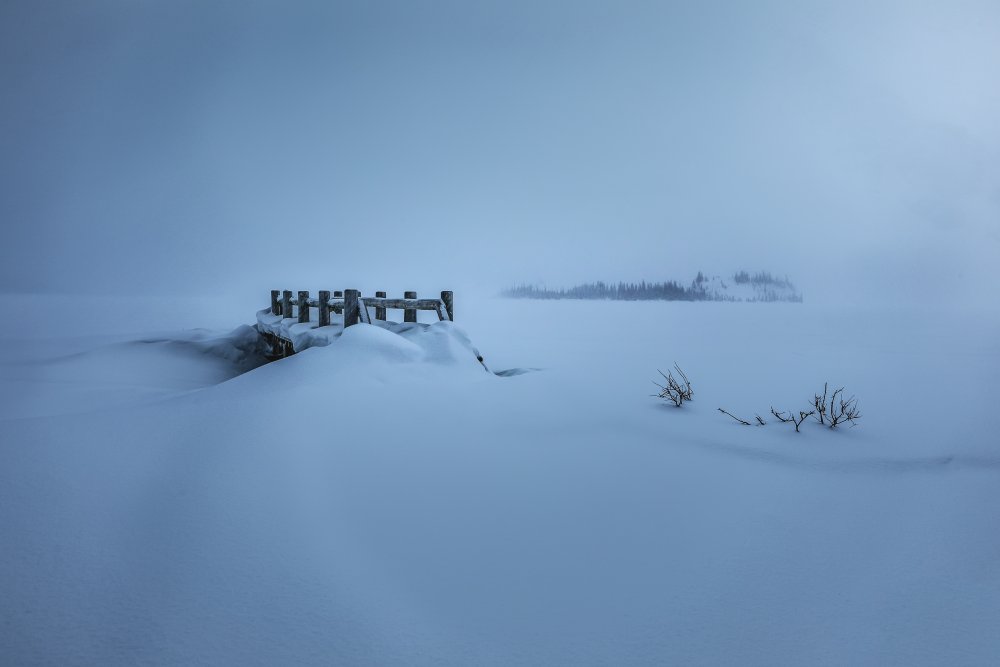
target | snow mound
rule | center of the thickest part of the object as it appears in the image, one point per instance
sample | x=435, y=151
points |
x=104, y=376
x=377, y=342
x=241, y=349
x=381, y=500
x=438, y=343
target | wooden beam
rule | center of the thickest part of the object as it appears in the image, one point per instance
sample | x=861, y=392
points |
x=448, y=299
x=324, y=308
x=303, y=303
x=410, y=314
x=350, y=307
x=402, y=304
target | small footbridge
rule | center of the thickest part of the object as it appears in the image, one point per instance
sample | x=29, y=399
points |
x=340, y=309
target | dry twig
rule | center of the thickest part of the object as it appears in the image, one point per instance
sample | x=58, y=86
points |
x=742, y=421
x=790, y=417
x=819, y=403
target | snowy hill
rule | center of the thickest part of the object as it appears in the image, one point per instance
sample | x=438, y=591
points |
x=442, y=342
x=370, y=503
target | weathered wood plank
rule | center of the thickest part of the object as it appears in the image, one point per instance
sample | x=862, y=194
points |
x=448, y=299
x=280, y=347
x=286, y=303
x=351, y=312
x=409, y=314
x=303, y=305
x=324, y=308
x=402, y=304
x=287, y=306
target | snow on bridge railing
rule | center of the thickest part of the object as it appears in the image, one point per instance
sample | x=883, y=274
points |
x=355, y=307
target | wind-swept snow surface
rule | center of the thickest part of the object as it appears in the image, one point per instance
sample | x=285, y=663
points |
x=371, y=503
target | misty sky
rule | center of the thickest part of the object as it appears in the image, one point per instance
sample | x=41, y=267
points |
x=234, y=146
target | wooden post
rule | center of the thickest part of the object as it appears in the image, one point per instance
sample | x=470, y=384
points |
x=338, y=294
x=303, y=306
x=286, y=303
x=324, y=307
x=275, y=306
x=448, y=299
x=379, y=312
x=409, y=314
x=350, y=307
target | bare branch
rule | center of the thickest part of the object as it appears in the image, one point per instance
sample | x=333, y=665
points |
x=790, y=417
x=688, y=391
x=819, y=403
x=742, y=421
x=781, y=416
x=844, y=410
x=802, y=417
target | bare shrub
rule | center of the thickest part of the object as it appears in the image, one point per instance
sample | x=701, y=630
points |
x=828, y=409
x=675, y=391
x=837, y=410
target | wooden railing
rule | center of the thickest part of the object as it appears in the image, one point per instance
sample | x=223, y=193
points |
x=355, y=307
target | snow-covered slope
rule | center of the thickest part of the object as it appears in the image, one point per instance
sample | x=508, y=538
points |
x=370, y=503
x=441, y=342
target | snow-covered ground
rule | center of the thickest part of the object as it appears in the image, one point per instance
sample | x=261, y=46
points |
x=384, y=501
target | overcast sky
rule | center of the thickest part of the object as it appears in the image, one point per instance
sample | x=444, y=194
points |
x=227, y=146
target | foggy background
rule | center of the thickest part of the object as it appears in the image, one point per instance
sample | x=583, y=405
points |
x=235, y=147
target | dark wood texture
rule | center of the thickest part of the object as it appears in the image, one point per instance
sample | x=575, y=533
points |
x=303, y=305
x=410, y=314
x=351, y=313
x=448, y=299
x=323, y=306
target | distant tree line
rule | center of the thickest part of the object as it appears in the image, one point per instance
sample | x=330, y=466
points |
x=665, y=291
x=767, y=288
x=761, y=278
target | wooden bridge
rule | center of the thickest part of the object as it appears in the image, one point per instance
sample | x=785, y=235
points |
x=354, y=308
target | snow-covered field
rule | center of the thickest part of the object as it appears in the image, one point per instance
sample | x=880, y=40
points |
x=377, y=502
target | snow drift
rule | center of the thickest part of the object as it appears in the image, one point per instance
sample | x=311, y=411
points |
x=382, y=500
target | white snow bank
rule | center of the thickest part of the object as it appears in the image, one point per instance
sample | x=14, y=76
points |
x=440, y=342
x=363, y=504
x=42, y=379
